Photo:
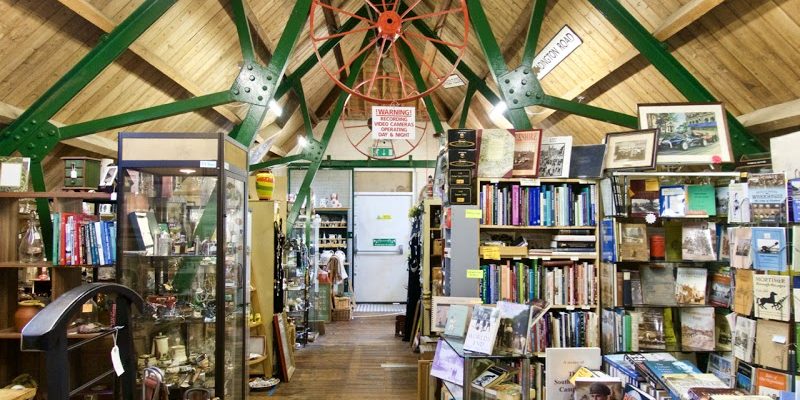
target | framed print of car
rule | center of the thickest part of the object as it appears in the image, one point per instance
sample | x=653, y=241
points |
x=688, y=133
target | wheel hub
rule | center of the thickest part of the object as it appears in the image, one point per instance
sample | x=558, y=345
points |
x=389, y=24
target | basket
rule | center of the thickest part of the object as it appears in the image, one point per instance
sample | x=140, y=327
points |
x=341, y=303
x=340, y=315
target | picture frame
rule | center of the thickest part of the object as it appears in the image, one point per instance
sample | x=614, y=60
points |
x=14, y=173
x=285, y=352
x=108, y=176
x=257, y=345
x=440, y=306
x=629, y=150
x=689, y=133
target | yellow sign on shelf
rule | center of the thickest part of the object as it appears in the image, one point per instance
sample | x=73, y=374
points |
x=490, y=252
x=473, y=213
x=384, y=216
x=474, y=274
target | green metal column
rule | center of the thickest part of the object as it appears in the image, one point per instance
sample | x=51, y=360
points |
x=243, y=30
x=742, y=141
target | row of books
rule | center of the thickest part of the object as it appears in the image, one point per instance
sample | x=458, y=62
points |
x=545, y=205
x=80, y=239
x=565, y=329
x=569, y=283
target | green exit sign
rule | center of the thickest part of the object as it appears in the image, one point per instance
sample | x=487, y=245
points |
x=382, y=152
x=384, y=242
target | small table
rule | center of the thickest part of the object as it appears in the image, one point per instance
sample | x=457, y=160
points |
x=11, y=394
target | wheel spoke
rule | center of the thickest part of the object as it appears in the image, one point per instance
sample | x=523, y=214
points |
x=399, y=70
x=335, y=35
x=409, y=143
x=349, y=14
x=419, y=56
x=433, y=14
x=409, y=8
x=395, y=5
x=430, y=39
x=360, y=52
x=369, y=132
x=385, y=8
x=377, y=66
x=372, y=6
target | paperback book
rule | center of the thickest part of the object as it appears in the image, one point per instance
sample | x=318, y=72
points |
x=793, y=203
x=644, y=195
x=514, y=327
x=633, y=243
x=771, y=297
x=796, y=248
x=608, y=244
x=720, y=293
x=562, y=363
x=743, y=291
x=651, y=329
x=744, y=338
x=658, y=284
x=770, y=383
x=772, y=344
x=723, y=334
x=698, y=244
x=741, y=239
x=723, y=367
x=607, y=387
x=447, y=364
x=457, y=319
x=723, y=243
x=721, y=194
x=767, y=198
x=491, y=376
x=770, y=248
x=495, y=146
x=526, y=153
x=738, y=202
x=482, y=330
x=744, y=376
x=690, y=285
x=702, y=200
x=697, y=329
x=680, y=384
x=672, y=201
x=587, y=161
x=673, y=236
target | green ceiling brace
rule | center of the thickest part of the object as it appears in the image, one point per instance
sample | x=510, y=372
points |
x=462, y=121
x=278, y=161
x=421, y=86
x=741, y=140
x=316, y=158
x=534, y=29
x=585, y=110
x=243, y=30
x=297, y=87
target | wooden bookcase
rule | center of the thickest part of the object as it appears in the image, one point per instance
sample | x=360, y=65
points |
x=432, y=253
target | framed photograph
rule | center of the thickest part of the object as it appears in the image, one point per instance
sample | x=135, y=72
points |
x=108, y=176
x=285, y=352
x=631, y=149
x=441, y=305
x=554, y=158
x=14, y=173
x=688, y=133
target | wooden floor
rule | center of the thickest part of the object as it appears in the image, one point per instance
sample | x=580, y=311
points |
x=359, y=359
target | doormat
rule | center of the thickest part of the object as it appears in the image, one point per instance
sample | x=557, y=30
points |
x=381, y=308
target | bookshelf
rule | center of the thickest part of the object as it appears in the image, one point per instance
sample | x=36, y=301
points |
x=432, y=253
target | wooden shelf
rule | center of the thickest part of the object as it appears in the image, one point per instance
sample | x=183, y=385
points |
x=56, y=195
x=330, y=209
x=256, y=360
x=541, y=180
x=11, y=333
x=17, y=264
x=534, y=227
x=576, y=307
x=332, y=246
x=546, y=257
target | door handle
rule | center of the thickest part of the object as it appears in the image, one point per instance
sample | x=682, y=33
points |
x=399, y=251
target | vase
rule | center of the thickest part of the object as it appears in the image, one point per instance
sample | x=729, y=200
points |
x=31, y=248
x=265, y=183
x=26, y=310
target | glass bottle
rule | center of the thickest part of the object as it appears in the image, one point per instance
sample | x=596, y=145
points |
x=31, y=249
x=89, y=312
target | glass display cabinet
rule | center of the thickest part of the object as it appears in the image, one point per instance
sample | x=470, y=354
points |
x=182, y=223
x=298, y=281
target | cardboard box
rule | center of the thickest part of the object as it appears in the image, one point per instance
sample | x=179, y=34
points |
x=462, y=139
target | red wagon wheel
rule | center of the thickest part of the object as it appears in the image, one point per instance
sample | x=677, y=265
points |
x=359, y=133
x=391, y=26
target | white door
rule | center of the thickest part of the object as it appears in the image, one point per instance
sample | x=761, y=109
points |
x=382, y=231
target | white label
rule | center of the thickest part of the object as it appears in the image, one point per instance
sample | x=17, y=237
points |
x=570, y=308
x=529, y=182
x=208, y=164
x=113, y=196
x=394, y=123
x=517, y=258
x=779, y=339
x=116, y=361
x=10, y=174
x=73, y=174
x=453, y=81
x=556, y=51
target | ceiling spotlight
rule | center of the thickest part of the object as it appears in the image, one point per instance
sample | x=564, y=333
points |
x=498, y=110
x=275, y=107
x=187, y=170
x=302, y=141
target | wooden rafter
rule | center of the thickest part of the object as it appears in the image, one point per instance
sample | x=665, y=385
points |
x=774, y=118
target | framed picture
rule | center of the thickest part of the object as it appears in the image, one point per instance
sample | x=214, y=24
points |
x=256, y=346
x=108, y=176
x=441, y=304
x=631, y=149
x=14, y=173
x=285, y=352
x=527, y=145
x=688, y=133
x=555, y=157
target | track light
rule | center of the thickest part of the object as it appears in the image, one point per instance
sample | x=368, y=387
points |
x=275, y=107
x=498, y=110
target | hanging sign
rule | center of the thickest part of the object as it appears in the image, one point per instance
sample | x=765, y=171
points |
x=556, y=51
x=394, y=123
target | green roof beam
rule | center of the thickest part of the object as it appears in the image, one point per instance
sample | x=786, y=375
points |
x=585, y=110
x=534, y=29
x=462, y=121
x=243, y=30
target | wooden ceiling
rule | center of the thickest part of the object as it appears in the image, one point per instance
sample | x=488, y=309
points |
x=745, y=52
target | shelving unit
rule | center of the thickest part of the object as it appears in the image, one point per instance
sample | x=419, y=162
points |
x=432, y=253
x=335, y=233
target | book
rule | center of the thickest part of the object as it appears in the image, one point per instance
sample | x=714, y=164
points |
x=587, y=161
x=771, y=297
x=738, y=202
x=769, y=246
x=723, y=243
x=697, y=329
x=796, y=248
x=706, y=393
x=658, y=284
x=633, y=244
x=697, y=243
x=783, y=154
x=722, y=193
x=598, y=387
x=767, y=197
x=672, y=201
x=770, y=383
x=741, y=239
x=492, y=375
x=608, y=244
x=631, y=392
x=527, y=145
x=701, y=200
x=793, y=199
x=514, y=327
x=772, y=344
x=680, y=384
x=447, y=364
x=644, y=197
x=690, y=285
x=659, y=365
x=561, y=364
x=495, y=146
x=744, y=376
x=723, y=334
x=744, y=338
x=723, y=367
x=673, y=238
x=482, y=330
x=743, y=291
x=651, y=329
x=457, y=319
x=555, y=156
x=720, y=294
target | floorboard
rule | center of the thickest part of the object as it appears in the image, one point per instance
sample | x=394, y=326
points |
x=356, y=359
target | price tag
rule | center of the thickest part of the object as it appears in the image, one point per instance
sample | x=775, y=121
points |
x=574, y=258
x=73, y=173
x=208, y=164
x=116, y=361
x=779, y=339
x=491, y=252
x=114, y=196
x=517, y=258
x=545, y=258
x=473, y=213
x=474, y=274
x=570, y=308
x=495, y=181
x=529, y=182
x=87, y=308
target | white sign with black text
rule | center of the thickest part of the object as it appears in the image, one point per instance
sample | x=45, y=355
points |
x=394, y=123
x=556, y=51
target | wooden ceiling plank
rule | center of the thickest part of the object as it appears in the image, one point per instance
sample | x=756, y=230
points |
x=773, y=118
x=682, y=18
x=98, y=19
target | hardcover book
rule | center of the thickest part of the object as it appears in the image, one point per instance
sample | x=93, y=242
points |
x=744, y=338
x=495, y=146
x=771, y=297
x=690, y=285
x=514, y=327
x=769, y=246
x=697, y=329
x=743, y=291
x=770, y=383
x=702, y=200
x=672, y=201
x=738, y=202
x=482, y=330
x=741, y=243
x=447, y=364
x=720, y=293
x=561, y=364
x=793, y=204
x=457, y=319
x=651, y=329
x=658, y=284
x=643, y=194
x=526, y=153
x=767, y=198
x=594, y=387
x=555, y=156
x=680, y=384
x=633, y=244
x=673, y=236
x=772, y=344
x=698, y=244
x=723, y=334
x=587, y=161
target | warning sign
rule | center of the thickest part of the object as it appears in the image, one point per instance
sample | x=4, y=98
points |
x=394, y=123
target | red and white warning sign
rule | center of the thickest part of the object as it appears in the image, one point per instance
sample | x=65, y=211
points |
x=394, y=123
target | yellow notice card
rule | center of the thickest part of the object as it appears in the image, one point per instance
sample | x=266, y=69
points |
x=474, y=274
x=473, y=213
x=490, y=252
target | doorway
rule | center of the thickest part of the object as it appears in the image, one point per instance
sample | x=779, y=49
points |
x=381, y=235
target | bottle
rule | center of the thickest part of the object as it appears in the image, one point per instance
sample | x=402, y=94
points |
x=31, y=249
x=89, y=312
x=164, y=244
